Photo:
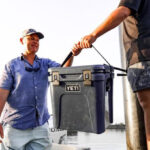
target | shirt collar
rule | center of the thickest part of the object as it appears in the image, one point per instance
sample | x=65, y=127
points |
x=22, y=57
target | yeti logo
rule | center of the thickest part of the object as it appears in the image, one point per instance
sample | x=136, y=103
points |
x=72, y=88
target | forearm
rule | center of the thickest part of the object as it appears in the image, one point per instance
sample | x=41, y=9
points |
x=69, y=62
x=113, y=20
x=3, y=97
x=2, y=103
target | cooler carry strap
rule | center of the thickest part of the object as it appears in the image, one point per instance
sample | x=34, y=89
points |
x=116, y=68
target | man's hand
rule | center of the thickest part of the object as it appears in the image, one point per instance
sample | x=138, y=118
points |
x=85, y=42
x=1, y=132
x=76, y=49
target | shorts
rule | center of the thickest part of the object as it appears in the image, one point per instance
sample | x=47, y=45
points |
x=30, y=139
x=139, y=76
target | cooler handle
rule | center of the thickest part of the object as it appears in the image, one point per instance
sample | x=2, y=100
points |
x=67, y=58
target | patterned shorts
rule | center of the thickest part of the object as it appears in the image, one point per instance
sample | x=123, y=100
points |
x=139, y=76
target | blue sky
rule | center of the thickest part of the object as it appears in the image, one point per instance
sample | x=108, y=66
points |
x=63, y=22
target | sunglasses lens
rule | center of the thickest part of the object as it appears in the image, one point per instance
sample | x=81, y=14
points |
x=32, y=69
x=28, y=69
x=36, y=69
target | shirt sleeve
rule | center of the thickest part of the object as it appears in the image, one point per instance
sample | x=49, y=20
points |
x=6, y=79
x=53, y=64
x=131, y=4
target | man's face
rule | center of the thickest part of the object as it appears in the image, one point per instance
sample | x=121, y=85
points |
x=31, y=43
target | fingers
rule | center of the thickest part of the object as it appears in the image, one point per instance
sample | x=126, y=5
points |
x=1, y=132
x=77, y=46
x=76, y=49
x=85, y=42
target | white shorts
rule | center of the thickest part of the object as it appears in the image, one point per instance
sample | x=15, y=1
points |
x=31, y=139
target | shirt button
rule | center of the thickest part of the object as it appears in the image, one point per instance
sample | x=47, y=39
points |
x=36, y=97
x=35, y=87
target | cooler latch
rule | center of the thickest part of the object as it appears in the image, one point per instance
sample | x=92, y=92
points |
x=55, y=78
x=87, y=77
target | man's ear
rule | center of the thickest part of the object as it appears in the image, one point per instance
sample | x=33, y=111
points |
x=21, y=41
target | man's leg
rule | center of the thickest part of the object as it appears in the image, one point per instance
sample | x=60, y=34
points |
x=39, y=144
x=41, y=139
x=144, y=100
x=15, y=139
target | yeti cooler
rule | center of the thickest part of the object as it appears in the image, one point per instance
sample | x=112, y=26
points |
x=82, y=97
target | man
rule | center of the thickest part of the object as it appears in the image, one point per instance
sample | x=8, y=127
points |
x=23, y=91
x=135, y=16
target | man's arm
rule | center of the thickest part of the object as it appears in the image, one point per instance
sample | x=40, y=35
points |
x=112, y=21
x=3, y=97
x=70, y=60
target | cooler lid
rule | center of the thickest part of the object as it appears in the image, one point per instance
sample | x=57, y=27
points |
x=79, y=69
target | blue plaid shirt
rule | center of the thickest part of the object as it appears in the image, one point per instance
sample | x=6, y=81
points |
x=26, y=106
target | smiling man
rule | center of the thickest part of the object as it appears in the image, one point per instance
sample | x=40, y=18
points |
x=23, y=91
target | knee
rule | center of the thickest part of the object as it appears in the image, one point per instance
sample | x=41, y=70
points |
x=145, y=103
x=144, y=99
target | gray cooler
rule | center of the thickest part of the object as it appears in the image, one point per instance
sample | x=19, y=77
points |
x=82, y=97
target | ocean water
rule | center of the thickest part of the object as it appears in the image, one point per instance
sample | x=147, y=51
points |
x=111, y=139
